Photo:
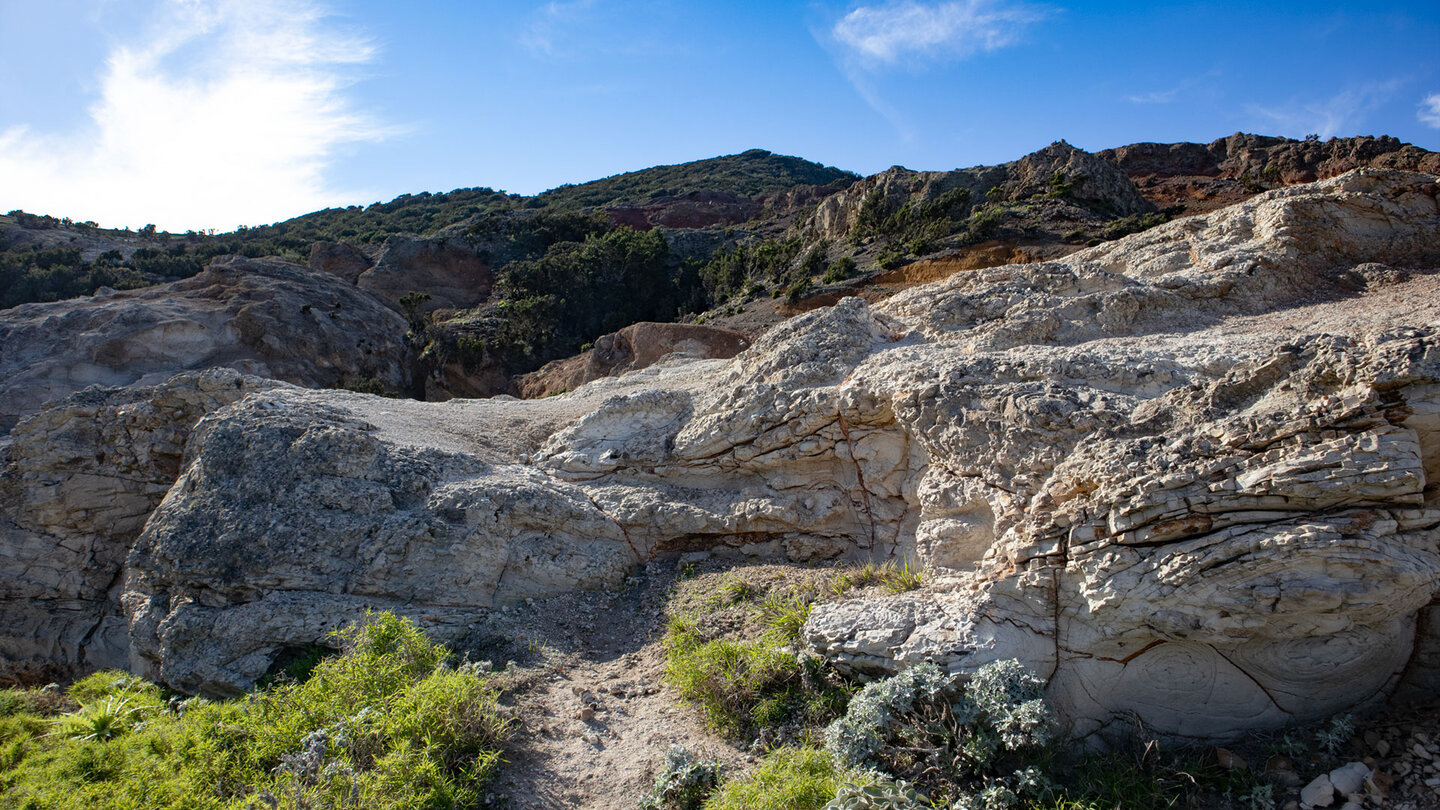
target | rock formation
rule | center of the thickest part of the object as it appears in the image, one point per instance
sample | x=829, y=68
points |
x=452, y=270
x=77, y=484
x=258, y=316
x=637, y=346
x=1188, y=476
x=339, y=259
x=1092, y=183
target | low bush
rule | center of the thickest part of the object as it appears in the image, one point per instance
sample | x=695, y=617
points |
x=385, y=724
x=732, y=651
x=791, y=778
x=683, y=784
x=920, y=725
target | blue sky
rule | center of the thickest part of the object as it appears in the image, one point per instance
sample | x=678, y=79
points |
x=215, y=113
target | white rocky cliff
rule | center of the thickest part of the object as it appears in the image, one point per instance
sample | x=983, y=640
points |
x=1186, y=476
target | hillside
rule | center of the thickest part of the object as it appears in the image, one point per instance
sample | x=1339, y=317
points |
x=752, y=173
x=495, y=285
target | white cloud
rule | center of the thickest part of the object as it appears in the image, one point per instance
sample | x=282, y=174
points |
x=1339, y=114
x=551, y=22
x=908, y=31
x=226, y=112
x=1429, y=113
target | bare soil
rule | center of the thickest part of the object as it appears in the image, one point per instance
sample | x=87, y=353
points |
x=598, y=652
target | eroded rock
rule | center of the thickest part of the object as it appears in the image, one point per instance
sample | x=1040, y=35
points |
x=263, y=317
x=1188, y=477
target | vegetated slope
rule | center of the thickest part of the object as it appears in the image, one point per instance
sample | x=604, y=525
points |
x=741, y=240
x=748, y=174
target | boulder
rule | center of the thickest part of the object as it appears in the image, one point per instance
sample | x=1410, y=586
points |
x=340, y=259
x=637, y=346
x=77, y=483
x=453, y=270
x=263, y=317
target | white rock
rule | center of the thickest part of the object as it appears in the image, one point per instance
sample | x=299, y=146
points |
x=1319, y=793
x=1350, y=778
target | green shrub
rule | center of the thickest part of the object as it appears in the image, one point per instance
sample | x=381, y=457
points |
x=799, y=778
x=730, y=650
x=683, y=784
x=385, y=724
x=839, y=270
x=921, y=725
x=877, y=793
x=1135, y=223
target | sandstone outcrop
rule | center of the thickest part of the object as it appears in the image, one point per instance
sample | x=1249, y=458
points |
x=1188, y=477
x=339, y=259
x=453, y=270
x=263, y=317
x=637, y=346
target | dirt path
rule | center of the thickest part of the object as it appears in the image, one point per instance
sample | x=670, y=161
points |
x=597, y=716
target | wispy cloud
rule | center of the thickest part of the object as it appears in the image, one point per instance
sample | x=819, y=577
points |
x=1337, y=114
x=552, y=21
x=912, y=32
x=1171, y=94
x=1429, y=112
x=225, y=112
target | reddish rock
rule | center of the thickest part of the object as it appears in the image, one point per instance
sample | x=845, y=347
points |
x=339, y=259
x=634, y=347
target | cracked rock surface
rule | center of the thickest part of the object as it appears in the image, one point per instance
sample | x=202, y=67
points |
x=1189, y=476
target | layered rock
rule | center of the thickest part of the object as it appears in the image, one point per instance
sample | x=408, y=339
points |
x=258, y=316
x=1188, y=477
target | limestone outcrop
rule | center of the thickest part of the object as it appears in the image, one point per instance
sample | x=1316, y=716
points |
x=263, y=317
x=77, y=483
x=1191, y=477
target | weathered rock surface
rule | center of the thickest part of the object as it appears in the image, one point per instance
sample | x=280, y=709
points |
x=1264, y=158
x=1189, y=476
x=637, y=346
x=339, y=259
x=259, y=316
x=77, y=483
x=453, y=270
x=1093, y=183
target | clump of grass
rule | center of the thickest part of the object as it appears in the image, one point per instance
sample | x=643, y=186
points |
x=895, y=578
x=385, y=724
x=790, y=778
x=731, y=650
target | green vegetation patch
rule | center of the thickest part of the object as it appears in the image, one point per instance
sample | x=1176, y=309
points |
x=732, y=651
x=747, y=174
x=385, y=724
x=789, y=778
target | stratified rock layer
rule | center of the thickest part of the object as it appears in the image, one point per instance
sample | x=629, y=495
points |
x=1188, y=477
